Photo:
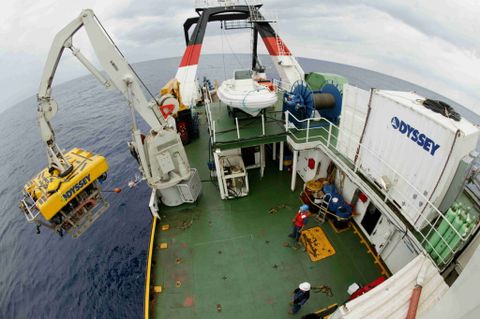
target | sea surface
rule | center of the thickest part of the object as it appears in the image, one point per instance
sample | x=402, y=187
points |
x=101, y=274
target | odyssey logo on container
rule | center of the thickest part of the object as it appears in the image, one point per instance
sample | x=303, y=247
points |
x=415, y=135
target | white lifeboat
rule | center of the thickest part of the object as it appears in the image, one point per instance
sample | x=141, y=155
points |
x=245, y=93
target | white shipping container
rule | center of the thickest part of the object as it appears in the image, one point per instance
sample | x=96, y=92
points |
x=413, y=149
x=352, y=121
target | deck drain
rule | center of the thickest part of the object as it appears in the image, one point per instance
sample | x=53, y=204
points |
x=224, y=277
x=178, y=284
x=178, y=260
x=219, y=252
x=219, y=307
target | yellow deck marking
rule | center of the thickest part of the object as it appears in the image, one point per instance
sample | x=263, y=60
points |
x=383, y=270
x=149, y=268
x=157, y=289
x=165, y=227
x=163, y=246
x=324, y=310
x=316, y=243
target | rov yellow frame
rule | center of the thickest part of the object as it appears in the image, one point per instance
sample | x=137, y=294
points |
x=87, y=168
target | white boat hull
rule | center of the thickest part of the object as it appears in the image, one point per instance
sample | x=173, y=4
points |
x=246, y=95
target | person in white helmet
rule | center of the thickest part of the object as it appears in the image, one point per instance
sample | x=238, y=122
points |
x=299, y=297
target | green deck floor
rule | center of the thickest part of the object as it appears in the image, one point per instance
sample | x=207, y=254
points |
x=231, y=253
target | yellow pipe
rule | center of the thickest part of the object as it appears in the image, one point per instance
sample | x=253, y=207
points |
x=149, y=266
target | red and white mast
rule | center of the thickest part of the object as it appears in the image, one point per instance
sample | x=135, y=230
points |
x=286, y=64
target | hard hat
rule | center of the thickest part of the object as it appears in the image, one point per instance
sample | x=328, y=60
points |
x=304, y=286
x=304, y=207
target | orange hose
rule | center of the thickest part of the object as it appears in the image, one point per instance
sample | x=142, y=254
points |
x=414, y=300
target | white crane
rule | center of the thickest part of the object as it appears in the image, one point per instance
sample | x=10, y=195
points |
x=160, y=153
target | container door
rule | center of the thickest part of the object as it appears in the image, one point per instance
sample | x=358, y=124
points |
x=398, y=252
x=382, y=234
x=370, y=219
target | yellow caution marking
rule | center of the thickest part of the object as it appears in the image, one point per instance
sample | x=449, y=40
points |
x=376, y=258
x=149, y=270
x=326, y=312
x=157, y=289
x=163, y=246
x=165, y=227
x=316, y=244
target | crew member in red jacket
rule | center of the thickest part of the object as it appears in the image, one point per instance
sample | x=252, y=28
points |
x=299, y=221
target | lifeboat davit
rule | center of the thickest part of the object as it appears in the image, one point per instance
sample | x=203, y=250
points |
x=247, y=93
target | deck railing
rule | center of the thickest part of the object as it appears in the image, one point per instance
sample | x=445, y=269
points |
x=207, y=98
x=323, y=135
x=202, y=4
x=281, y=86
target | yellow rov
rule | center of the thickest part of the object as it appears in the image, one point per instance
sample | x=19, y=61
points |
x=70, y=203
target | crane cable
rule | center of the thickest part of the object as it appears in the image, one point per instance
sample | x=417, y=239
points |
x=223, y=53
x=120, y=52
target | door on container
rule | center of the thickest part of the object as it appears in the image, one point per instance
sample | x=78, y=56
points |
x=399, y=252
x=382, y=234
x=370, y=219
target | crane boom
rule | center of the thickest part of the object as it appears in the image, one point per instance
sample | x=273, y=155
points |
x=172, y=166
x=160, y=153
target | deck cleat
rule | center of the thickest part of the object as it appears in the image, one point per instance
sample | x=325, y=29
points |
x=69, y=203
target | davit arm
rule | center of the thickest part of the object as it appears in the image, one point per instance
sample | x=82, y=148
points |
x=160, y=153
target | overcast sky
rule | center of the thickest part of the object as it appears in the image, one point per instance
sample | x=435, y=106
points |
x=433, y=43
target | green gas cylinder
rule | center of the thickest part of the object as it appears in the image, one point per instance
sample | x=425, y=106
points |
x=448, y=236
x=455, y=242
x=442, y=229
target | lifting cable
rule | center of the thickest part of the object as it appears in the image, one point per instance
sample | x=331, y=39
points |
x=223, y=52
x=231, y=49
x=120, y=52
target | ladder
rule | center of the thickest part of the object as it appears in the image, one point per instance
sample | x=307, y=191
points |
x=323, y=209
x=255, y=16
x=280, y=46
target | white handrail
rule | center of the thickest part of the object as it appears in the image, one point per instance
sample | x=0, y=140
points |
x=238, y=128
x=213, y=133
x=281, y=85
x=201, y=4
x=263, y=125
x=308, y=130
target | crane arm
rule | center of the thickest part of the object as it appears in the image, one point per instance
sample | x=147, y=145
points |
x=114, y=64
x=160, y=153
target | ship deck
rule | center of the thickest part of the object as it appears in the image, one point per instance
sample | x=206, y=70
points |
x=233, y=258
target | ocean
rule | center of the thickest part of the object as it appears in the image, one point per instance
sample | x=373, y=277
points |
x=101, y=274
